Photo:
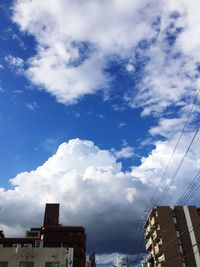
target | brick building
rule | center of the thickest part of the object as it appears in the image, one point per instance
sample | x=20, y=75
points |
x=173, y=236
x=52, y=245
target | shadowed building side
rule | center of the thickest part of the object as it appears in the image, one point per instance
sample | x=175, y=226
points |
x=51, y=215
x=173, y=236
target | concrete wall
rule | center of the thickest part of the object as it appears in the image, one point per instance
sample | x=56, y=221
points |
x=38, y=256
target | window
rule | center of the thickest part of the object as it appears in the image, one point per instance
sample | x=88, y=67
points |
x=3, y=264
x=26, y=264
x=52, y=264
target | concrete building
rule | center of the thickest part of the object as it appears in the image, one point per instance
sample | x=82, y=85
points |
x=173, y=236
x=52, y=245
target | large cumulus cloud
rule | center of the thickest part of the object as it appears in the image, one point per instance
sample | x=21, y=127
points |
x=91, y=187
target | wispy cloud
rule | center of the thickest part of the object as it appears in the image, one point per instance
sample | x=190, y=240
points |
x=66, y=56
x=16, y=64
x=32, y=106
x=14, y=61
x=159, y=34
x=126, y=152
x=122, y=124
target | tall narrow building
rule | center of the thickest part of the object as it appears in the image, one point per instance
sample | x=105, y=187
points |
x=173, y=236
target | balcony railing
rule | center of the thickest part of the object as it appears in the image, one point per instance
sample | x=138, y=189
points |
x=149, y=244
x=158, y=249
x=156, y=235
x=154, y=221
x=147, y=231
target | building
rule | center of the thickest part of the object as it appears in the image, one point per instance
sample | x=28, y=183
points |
x=52, y=245
x=173, y=236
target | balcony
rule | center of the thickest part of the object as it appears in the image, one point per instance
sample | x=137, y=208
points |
x=161, y=258
x=156, y=235
x=158, y=249
x=149, y=244
x=154, y=221
x=147, y=231
x=161, y=264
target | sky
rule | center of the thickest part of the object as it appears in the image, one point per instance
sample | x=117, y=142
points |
x=94, y=95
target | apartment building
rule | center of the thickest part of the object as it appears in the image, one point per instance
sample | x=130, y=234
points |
x=173, y=236
x=52, y=245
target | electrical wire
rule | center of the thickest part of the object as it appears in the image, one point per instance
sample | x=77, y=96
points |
x=167, y=167
x=191, y=189
x=178, y=168
x=182, y=233
x=175, y=148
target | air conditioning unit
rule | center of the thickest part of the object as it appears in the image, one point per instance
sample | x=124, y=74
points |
x=38, y=243
x=16, y=245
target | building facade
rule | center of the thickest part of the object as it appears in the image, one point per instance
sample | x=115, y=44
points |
x=173, y=236
x=52, y=245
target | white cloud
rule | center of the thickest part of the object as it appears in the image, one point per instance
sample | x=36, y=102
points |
x=66, y=83
x=130, y=67
x=15, y=62
x=188, y=40
x=75, y=40
x=153, y=166
x=91, y=187
x=63, y=28
x=32, y=105
x=125, y=152
x=122, y=124
x=170, y=73
x=168, y=127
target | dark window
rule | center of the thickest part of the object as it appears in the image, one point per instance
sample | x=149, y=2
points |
x=33, y=234
x=3, y=264
x=26, y=264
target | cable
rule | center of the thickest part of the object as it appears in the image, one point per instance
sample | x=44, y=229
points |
x=178, y=168
x=175, y=148
x=185, y=231
x=166, y=169
x=137, y=235
x=175, y=239
x=187, y=255
x=193, y=186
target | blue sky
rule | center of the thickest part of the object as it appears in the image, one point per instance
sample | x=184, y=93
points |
x=110, y=84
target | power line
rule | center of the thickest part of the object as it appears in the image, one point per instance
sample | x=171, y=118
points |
x=175, y=148
x=178, y=168
x=187, y=255
x=167, y=167
x=187, y=230
x=191, y=189
x=180, y=234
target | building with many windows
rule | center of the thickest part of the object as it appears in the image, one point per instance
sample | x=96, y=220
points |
x=52, y=245
x=173, y=236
